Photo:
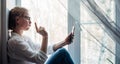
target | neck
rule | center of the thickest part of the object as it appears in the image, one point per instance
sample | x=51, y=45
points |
x=18, y=31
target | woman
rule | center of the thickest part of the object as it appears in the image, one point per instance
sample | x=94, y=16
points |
x=21, y=49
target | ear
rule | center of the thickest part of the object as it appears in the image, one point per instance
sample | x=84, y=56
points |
x=17, y=18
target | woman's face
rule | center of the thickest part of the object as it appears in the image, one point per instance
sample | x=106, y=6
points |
x=24, y=22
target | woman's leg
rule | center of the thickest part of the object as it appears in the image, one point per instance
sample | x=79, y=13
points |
x=60, y=56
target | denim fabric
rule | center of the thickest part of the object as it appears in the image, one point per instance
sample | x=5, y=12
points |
x=61, y=56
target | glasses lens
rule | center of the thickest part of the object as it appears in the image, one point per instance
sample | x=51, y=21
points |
x=27, y=17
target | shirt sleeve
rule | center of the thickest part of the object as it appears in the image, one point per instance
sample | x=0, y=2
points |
x=38, y=45
x=50, y=49
x=23, y=51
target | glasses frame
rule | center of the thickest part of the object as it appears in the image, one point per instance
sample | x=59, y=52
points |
x=26, y=17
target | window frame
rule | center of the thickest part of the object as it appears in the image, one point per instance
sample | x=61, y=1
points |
x=4, y=31
x=74, y=20
x=117, y=19
x=0, y=35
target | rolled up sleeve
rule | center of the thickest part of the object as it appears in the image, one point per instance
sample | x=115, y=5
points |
x=50, y=49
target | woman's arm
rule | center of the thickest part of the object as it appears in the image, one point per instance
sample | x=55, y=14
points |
x=68, y=40
x=44, y=44
x=44, y=34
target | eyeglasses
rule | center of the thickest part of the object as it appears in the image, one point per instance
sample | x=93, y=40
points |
x=26, y=17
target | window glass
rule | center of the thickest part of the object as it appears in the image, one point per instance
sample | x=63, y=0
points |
x=10, y=4
x=96, y=46
x=50, y=14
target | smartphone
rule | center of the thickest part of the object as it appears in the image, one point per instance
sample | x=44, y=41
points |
x=73, y=29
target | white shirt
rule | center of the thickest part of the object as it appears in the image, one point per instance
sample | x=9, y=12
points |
x=22, y=50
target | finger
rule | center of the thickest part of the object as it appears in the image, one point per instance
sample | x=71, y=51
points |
x=41, y=28
x=36, y=27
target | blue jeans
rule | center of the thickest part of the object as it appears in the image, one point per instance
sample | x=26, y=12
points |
x=60, y=56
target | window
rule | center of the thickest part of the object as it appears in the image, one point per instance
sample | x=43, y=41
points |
x=96, y=46
x=50, y=14
x=10, y=4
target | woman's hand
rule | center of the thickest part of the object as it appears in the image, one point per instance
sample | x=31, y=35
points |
x=41, y=30
x=69, y=39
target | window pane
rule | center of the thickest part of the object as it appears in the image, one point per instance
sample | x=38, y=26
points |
x=50, y=14
x=96, y=46
x=10, y=4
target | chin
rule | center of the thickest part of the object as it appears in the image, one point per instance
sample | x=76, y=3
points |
x=27, y=29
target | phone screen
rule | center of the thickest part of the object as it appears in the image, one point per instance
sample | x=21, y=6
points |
x=73, y=29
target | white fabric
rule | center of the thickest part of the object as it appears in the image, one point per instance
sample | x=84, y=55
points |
x=22, y=50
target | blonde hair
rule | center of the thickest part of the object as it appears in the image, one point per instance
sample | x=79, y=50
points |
x=16, y=11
